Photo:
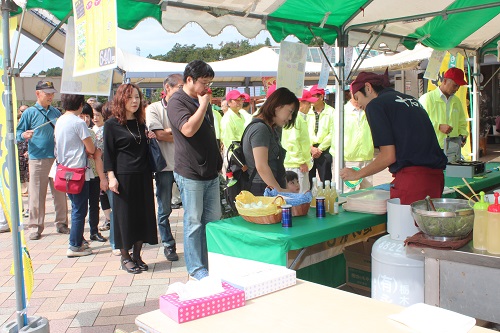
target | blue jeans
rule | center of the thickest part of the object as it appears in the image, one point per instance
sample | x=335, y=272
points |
x=164, y=181
x=79, y=208
x=201, y=202
x=111, y=237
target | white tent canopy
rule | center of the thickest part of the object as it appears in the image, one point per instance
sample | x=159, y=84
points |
x=249, y=68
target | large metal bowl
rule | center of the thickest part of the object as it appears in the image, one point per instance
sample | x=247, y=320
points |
x=453, y=218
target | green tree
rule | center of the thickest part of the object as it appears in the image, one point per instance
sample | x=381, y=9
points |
x=56, y=71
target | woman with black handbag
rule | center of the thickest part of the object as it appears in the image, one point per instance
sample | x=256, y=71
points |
x=130, y=177
x=72, y=144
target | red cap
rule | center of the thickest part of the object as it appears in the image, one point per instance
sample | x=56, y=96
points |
x=234, y=94
x=246, y=98
x=375, y=79
x=494, y=208
x=457, y=75
x=315, y=90
x=307, y=97
x=209, y=91
x=270, y=90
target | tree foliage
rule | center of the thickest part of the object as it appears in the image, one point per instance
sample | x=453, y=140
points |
x=52, y=72
x=187, y=53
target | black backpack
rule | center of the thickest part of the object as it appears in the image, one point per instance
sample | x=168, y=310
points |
x=237, y=165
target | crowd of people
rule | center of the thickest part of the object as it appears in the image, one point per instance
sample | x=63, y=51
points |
x=287, y=142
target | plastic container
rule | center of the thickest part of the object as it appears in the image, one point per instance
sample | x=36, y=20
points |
x=396, y=278
x=493, y=238
x=400, y=223
x=480, y=231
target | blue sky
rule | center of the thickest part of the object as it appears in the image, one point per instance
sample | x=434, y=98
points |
x=149, y=36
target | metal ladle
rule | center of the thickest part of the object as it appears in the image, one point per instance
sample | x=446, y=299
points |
x=430, y=204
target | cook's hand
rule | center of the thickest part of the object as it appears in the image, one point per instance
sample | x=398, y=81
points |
x=113, y=185
x=28, y=134
x=444, y=128
x=349, y=174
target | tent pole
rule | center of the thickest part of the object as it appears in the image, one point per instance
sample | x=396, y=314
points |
x=338, y=136
x=21, y=316
x=475, y=135
x=45, y=41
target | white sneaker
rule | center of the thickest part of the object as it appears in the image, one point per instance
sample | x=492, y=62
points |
x=81, y=252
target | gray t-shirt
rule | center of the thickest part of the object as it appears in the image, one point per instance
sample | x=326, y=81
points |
x=70, y=131
x=260, y=135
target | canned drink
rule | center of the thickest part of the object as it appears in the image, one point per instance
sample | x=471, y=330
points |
x=320, y=206
x=286, y=216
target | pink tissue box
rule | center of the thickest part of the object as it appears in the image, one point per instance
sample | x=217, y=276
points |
x=183, y=311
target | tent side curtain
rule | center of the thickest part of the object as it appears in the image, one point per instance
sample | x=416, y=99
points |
x=130, y=12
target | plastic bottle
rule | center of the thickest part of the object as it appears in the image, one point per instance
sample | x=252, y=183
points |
x=230, y=180
x=327, y=194
x=480, y=230
x=321, y=191
x=334, y=197
x=493, y=237
x=314, y=192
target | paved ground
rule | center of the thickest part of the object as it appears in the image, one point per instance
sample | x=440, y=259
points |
x=91, y=294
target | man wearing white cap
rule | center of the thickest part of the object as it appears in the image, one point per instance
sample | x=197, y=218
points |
x=37, y=127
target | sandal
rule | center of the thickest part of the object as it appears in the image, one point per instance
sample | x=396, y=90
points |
x=132, y=270
x=141, y=264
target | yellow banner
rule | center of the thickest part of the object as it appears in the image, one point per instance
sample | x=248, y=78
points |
x=95, y=31
x=5, y=186
x=90, y=84
x=458, y=62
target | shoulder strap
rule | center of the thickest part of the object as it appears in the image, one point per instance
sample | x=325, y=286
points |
x=47, y=118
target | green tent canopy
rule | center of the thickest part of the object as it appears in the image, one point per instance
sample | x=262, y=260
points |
x=442, y=25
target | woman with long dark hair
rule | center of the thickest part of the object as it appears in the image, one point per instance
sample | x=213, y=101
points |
x=262, y=148
x=130, y=178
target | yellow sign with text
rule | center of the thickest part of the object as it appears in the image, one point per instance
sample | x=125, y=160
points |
x=95, y=35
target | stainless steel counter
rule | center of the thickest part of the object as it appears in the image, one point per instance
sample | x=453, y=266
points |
x=464, y=280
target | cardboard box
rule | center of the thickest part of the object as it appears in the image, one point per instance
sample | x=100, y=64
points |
x=183, y=311
x=359, y=264
x=253, y=277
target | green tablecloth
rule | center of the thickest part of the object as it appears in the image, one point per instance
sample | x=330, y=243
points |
x=488, y=181
x=270, y=243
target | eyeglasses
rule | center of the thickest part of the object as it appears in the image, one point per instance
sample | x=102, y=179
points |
x=209, y=84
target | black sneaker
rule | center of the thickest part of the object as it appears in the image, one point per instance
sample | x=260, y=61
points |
x=170, y=253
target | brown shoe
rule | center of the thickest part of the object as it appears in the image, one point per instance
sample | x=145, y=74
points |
x=63, y=229
x=35, y=236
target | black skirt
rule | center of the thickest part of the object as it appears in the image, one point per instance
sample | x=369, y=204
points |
x=134, y=217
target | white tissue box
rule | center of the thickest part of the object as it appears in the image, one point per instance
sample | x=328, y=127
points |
x=253, y=277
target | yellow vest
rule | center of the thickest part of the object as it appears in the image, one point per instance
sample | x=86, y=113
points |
x=358, y=142
x=436, y=108
x=325, y=127
x=295, y=140
x=231, y=127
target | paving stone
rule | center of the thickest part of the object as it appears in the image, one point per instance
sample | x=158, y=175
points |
x=101, y=288
x=85, y=318
x=111, y=309
x=136, y=299
x=81, y=306
x=77, y=295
